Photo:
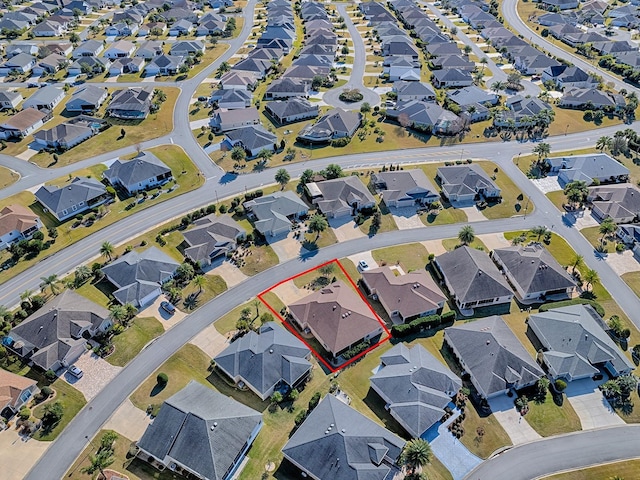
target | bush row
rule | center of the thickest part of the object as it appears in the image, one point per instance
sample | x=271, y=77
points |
x=420, y=323
x=576, y=301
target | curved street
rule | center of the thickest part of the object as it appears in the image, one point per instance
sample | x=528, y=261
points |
x=563, y=452
x=357, y=72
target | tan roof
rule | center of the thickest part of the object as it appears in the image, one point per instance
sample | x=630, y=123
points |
x=25, y=119
x=11, y=386
x=16, y=217
x=409, y=294
x=337, y=315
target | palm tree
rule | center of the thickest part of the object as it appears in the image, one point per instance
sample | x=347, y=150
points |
x=282, y=177
x=99, y=462
x=576, y=191
x=131, y=310
x=477, y=77
x=415, y=454
x=539, y=231
x=592, y=278
x=51, y=282
x=577, y=262
x=106, y=250
x=199, y=281
x=466, y=235
x=26, y=296
x=118, y=313
x=607, y=227
x=497, y=86
x=543, y=150
x=318, y=224
x=603, y=142
x=82, y=273
x=484, y=62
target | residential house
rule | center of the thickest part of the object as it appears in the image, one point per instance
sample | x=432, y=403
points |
x=293, y=110
x=86, y=99
x=533, y=273
x=210, y=27
x=152, y=28
x=55, y=336
x=492, y=356
x=588, y=168
x=355, y=448
x=88, y=48
x=340, y=197
x=592, y=99
x=239, y=80
x=225, y=120
x=273, y=214
x=48, y=28
x=534, y=64
x=413, y=91
x=181, y=27
x=76, y=197
x=453, y=61
x=404, y=188
x=17, y=223
x=164, y=65
x=472, y=279
x=149, y=49
x=21, y=63
x=45, y=98
x=120, y=49
x=15, y=392
x=65, y=135
x=336, y=123
x=187, y=47
x=522, y=111
x=575, y=344
x=212, y=237
x=134, y=103
x=62, y=48
x=141, y=173
x=269, y=360
x=426, y=116
x=565, y=76
x=89, y=65
x=471, y=96
x=401, y=68
x=287, y=88
x=138, y=277
x=50, y=64
x=23, y=123
x=415, y=386
x=561, y=4
x=230, y=99
x=337, y=317
x=202, y=432
x=9, y=99
x=126, y=65
x=451, y=78
x=619, y=202
x=466, y=183
x=404, y=297
x=252, y=139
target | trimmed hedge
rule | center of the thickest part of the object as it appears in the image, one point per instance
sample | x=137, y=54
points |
x=576, y=301
x=421, y=323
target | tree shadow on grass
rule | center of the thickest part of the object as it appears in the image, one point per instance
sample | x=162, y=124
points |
x=157, y=388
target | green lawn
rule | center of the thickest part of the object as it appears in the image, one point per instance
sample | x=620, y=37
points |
x=214, y=286
x=593, y=235
x=273, y=301
x=7, y=177
x=185, y=173
x=154, y=126
x=446, y=216
x=633, y=280
x=129, y=343
x=227, y=322
x=627, y=469
x=132, y=467
x=313, y=241
x=512, y=201
x=308, y=278
x=188, y=363
x=99, y=292
x=72, y=402
x=549, y=419
x=262, y=257
x=558, y=198
x=451, y=243
x=410, y=256
x=387, y=223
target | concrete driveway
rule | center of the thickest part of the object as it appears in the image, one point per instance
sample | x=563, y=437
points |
x=547, y=184
x=494, y=240
x=286, y=246
x=289, y=293
x=514, y=424
x=346, y=229
x=128, y=421
x=97, y=374
x=624, y=262
x=18, y=454
x=231, y=274
x=406, y=218
x=366, y=256
x=155, y=311
x=591, y=406
x=210, y=341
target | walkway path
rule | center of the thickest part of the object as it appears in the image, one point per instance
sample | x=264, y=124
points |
x=357, y=72
x=512, y=422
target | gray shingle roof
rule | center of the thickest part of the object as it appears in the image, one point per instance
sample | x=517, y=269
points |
x=136, y=275
x=202, y=429
x=493, y=355
x=575, y=341
x=534, y=268
x=62, y=198
x=54, y=329
x=416, y=386
x=404, y=184
x=132, y=99
x=142, y=167
x=336, y=442
x=588, y=167
x=272, y=210
x=464, y=179
x=291, y=107
x=343, y=193
x=472, y=275
x=265, y=358
x=211, y=235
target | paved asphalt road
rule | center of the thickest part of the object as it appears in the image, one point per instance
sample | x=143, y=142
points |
x=357, y=72
x=565, y=452
x=62, y=452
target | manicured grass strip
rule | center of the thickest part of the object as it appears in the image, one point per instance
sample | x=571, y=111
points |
x=129, y=343
x=550, y=419
x=626, y=469
x=7, y=177
x=72, y=402
x=410, y=256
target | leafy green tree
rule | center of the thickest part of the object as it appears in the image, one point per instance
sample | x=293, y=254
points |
x=333, y=171
x=185, y=272
x=53, y=413
x=107, y=439
x=466, y=235
x=276, y=397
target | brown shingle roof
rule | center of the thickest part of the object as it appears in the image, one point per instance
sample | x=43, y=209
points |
x=11, y=386
x=337, y=315
x=25, y=119
x=16, y=217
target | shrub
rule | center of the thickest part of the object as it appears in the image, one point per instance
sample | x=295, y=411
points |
x=24, y=413
x=341, y=142
x=162, y=378
x=448, y=317
x=46, y=392
x=50, y=375
x=315, y=399
x=576, y=301
x=223, y=209
x=111, y=191
x=302, y=415
x=431, y=256
x=560, y=385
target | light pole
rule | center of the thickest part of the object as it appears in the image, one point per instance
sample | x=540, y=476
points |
x=566, y=129
x=526, y=207
x=518, y=159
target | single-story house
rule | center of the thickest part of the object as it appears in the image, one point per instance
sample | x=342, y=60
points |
x=336, y=123
x=126, y=65
x=286, y=88
x=225, y=120
x=340, y=197
x=164, y=65
x=76, y=197
x=134, y=102
x=406, y=90
x=252, y=139
x=9, y=99
x=149, y=49
x=21, y=63
x=592, y=99
x=451, y=78
x=295, y=109
x=143, y=172
x=87, y=98
x=620, y=202
x=17, y=223
x=231, y=99
x=466, y=183
x=211, y=237
x=404, y=188
x=187, y=47
x=65, y=135
x=15, y=392
x=23, y=123
x=88, y=48
x=587, y=168
x=88, y=64
x=45, y=98
x=273, y=214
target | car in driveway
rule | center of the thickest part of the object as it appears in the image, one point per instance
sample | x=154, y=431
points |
x=363, y=265
x=75, y=371
x=168, y=307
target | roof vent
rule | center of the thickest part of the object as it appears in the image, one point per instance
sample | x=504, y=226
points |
x=488, y=342
x=335, y=306
x=271, y=350
x=343, y=430
x=326, y=432
x=332, y=425
x=212, y=427
x=215, y=424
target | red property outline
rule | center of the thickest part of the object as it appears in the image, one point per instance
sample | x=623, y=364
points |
x=292, y=330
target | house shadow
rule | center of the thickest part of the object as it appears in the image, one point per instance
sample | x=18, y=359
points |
x=376, y=405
